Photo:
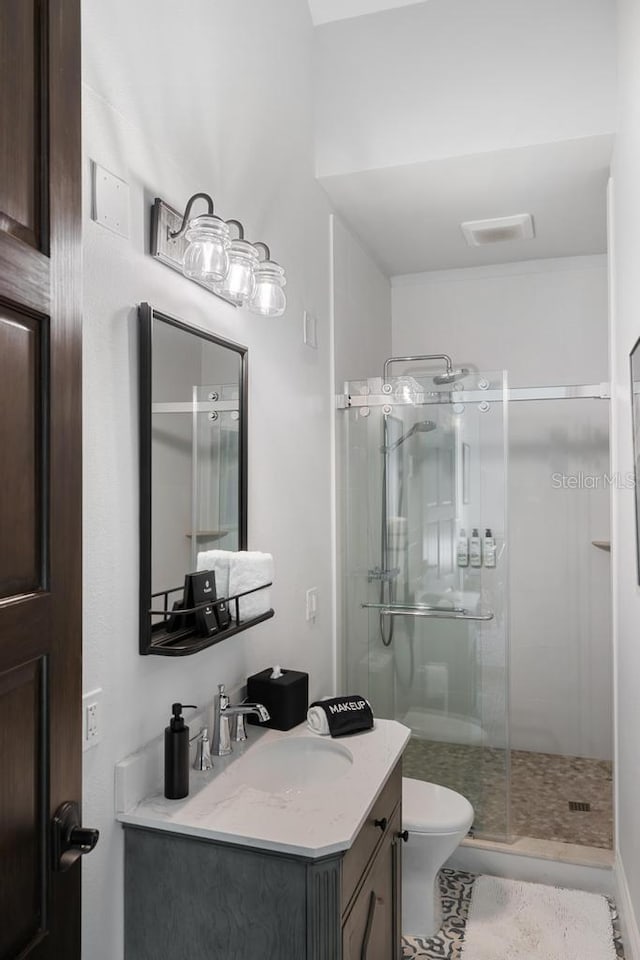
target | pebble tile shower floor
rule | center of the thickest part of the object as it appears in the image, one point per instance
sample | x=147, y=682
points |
x=543, y=786
x=456, y=888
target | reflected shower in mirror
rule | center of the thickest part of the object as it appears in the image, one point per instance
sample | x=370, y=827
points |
x=195, y=431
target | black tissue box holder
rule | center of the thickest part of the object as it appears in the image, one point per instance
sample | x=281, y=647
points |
x=286, y=697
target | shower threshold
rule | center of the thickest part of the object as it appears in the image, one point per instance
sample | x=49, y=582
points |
x=570, y=853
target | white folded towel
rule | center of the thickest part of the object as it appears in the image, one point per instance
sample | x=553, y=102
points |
x=249, y=569
x=218, y=561
x=317, y=721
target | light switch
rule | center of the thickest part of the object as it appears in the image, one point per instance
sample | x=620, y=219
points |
x=110, y=200
x=312, y=603
x=310, y=330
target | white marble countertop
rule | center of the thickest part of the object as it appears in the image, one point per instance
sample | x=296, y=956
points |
x=312, y=821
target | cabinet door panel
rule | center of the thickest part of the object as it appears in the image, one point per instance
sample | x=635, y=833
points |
x=356, y=860
x=369, y=931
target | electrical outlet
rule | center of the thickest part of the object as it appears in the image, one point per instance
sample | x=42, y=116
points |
x=91, y=719
x=312, y=603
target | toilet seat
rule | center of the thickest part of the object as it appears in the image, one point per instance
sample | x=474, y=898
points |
x=428, y=808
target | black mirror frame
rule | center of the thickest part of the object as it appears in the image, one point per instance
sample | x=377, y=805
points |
x=146, y=315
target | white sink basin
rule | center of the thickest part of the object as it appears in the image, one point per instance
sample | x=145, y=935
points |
x=295, y=764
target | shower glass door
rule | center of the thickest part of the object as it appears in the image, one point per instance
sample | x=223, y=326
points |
x=424, y=618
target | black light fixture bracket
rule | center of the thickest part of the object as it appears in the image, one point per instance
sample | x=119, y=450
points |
x=175, y=234
x=168, y=243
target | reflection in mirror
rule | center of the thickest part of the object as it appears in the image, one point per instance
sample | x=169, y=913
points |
x=635, y=396
x=195, y=428
x=193, y=486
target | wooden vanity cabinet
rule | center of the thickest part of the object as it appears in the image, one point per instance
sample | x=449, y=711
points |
x=190, y=897
x=371, y=880
x=371, y=930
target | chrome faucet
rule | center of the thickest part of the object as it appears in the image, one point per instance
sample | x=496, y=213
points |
x=222, y=711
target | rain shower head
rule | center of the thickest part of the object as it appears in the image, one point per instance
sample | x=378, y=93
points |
x=451, y=376
x=423, y=426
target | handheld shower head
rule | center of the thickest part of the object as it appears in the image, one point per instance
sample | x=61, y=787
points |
x=423, y=426
x=451, y=376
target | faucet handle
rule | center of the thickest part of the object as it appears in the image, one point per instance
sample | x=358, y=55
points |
x=203, y=759
x=240, y=732
x=223, y=697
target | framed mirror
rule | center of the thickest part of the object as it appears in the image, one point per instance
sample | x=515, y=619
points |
x=193, y=473
x=635, y=411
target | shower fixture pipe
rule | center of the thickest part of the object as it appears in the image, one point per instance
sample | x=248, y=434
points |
x=418, y=359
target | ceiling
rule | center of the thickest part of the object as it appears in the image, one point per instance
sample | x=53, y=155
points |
x=409, y=216
x=324, y=11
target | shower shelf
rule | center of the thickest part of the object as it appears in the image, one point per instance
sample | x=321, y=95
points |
x=425, y=610
x=602, y=545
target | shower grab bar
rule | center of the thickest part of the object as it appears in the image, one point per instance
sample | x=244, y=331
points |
x=425, y=610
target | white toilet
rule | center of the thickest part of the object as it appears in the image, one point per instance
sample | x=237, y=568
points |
x=437, y=819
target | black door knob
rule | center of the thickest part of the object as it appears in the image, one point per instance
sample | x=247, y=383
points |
x=403, y=835
x=83, y=839
x=382, y=823
x=70, y=840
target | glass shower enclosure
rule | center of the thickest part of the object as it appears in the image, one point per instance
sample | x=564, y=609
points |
x=423, y=468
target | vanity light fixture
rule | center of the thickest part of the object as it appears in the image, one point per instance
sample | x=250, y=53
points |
x=268, y=299
x=203, y=250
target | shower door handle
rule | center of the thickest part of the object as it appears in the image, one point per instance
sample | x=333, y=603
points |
x=424, y=610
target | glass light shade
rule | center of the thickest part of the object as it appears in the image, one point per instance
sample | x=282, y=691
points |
x=269, y=299
x=239, y=283
x=206, y=256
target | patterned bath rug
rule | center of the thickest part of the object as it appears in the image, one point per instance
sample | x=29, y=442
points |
x=511, y=920
x=455, y=892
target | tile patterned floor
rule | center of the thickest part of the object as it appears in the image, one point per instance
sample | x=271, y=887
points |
x=456, y=888
x=542, y=785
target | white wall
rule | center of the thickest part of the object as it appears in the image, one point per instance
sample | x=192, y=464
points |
x=457, y=77
x=545, y=323
x=361, y=309
x=179, y=98
x=624, y=333
x=361, y=343
x=323, y=11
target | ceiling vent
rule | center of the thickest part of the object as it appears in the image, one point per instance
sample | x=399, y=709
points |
x=478, y=233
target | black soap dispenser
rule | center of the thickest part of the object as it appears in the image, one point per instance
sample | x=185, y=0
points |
x=176, y=755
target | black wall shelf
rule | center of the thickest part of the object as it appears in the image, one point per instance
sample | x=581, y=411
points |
x=186, y=640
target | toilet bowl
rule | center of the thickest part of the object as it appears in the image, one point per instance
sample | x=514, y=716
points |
x=437, y=820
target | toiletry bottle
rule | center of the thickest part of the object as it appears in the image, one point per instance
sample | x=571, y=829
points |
x=176, y=755
x=462, y=554
x=489, y=549
x=475, y=549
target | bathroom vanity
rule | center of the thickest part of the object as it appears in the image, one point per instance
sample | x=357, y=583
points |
x=289, y=850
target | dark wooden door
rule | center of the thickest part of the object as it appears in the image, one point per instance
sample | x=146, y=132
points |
x=40, y=470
